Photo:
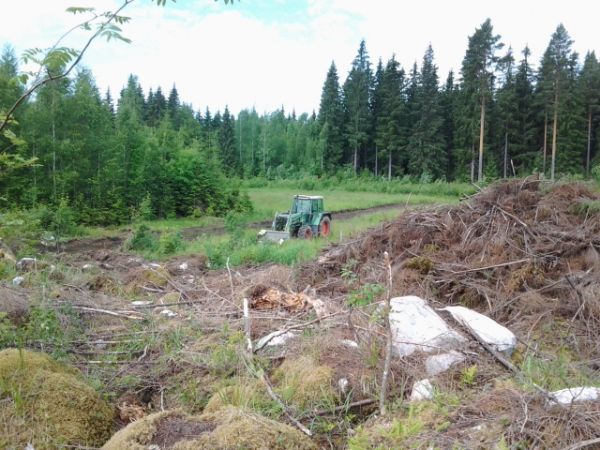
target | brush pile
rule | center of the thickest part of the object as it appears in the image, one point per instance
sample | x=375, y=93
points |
x=516, y=249
x=526, y=254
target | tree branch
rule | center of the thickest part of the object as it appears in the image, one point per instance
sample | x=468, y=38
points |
x=4, y=121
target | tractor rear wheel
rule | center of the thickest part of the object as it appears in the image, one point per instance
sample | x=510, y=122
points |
x=325, y=227
x=305, y=232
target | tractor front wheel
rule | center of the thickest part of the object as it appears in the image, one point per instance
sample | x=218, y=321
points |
x=325, y=227
x=305, y=232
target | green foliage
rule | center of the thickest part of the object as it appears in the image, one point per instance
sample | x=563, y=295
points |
x=365, y=295
x=45, y=327
x=142, y=240
x=469, y=374
x=170, y=242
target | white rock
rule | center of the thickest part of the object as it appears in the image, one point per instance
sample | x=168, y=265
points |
x=575, y=394
x=275, y=338
x=168, y=313
x=18, y=281
x=488, y=330
x=416, y=326
x=422, y=390
x=349, y=343
x=189, y=279
x=26, y=263
x=141, y=303
x=183, y=266
x=343, y=384
x=155, y=266
x=87, y=266
x=436, y=364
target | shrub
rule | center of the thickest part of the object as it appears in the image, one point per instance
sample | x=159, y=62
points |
x=170, y=242
x=142, y=239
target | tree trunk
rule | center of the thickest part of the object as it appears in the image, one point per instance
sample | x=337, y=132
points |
x=355, y=158
x=589, y=144
x=53, y=151
x=481, y=133
x=472, y=163
x=390, y=166
x=545, y=141
x=505, y=153
x=376, y=161
x=554, y=132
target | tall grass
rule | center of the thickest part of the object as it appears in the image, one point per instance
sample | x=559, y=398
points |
x=244, y=249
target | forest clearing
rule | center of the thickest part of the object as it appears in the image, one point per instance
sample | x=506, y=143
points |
x=398, y=260
x=172, y=335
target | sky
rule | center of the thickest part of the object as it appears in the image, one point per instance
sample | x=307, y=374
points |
x=271, y=53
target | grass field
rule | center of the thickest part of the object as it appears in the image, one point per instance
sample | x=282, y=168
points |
x=242, y=248
x=237, y=241
x=268, y=200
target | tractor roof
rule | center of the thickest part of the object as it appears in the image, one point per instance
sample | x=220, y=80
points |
x=308, y=197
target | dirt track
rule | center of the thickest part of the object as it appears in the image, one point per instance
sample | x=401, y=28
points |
x=114, y=242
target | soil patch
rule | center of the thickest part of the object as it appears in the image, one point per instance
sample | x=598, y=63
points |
x=173, y=429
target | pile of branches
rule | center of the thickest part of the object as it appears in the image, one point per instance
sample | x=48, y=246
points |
x=518, y=249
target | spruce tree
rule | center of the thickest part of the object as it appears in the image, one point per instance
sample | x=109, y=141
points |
x=426, y=147
x=391, y=131
x=173, y=108
x=357, y=90
x=478, y=81
x=447, y=109
x=331, y=121
x=524, y=148
x=553, y=80
x=589, y=87
x=376, y=111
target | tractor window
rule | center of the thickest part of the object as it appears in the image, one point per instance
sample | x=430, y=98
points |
x=303, y=206
x=315, y=206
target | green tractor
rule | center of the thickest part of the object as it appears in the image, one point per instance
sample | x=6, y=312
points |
x=305, y=219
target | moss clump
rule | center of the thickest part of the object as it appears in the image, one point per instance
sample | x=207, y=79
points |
x=228, y=428
x=305, y=384
x=48, y=404
x=421, y=264
x=152, y=275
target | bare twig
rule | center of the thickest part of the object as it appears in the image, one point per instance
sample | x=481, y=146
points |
x=106, y=311
x=388, y=343
x=286, y=411
x=247, y=327
x=295, y=327
x=584, y=444
x=365, y=402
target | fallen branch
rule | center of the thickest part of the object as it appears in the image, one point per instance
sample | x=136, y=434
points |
x=294, y=327
x=247, y=327
x=285, y=409
x=388, y=342
x=584, y=444
x=106, y=311
x=477, y=269
x=365, y=402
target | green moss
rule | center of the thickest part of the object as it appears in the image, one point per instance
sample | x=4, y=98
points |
x=304, y=384
x=227, y=428
x=48, y=404
x=421, y=264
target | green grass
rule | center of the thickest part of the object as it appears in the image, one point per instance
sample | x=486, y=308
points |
x=245, y=250
x=268, y=200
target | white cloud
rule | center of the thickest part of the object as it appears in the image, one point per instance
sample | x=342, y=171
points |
x=218, y=55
